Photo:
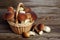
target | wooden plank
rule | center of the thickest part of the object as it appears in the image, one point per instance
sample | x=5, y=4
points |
x=46, y=9
x=48, y=12
x=31, y=2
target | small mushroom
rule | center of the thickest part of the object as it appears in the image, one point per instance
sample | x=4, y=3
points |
x=38, y=31
x=26, y=34
x=40, y=27
x=47, y=29
x=41, y=32
x=32, y=33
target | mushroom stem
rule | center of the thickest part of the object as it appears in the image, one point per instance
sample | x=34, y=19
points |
x=34, y=27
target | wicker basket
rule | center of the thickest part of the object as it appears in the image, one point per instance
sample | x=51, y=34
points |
x=18, y=27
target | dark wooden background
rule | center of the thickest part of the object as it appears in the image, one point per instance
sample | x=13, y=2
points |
x=48, y=12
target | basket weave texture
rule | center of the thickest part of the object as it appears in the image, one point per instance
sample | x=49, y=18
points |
x=20, y=28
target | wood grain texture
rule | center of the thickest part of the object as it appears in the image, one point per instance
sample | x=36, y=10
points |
x=48, y=12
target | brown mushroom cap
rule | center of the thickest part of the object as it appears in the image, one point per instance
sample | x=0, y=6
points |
x=10, y=9
x=28, y=15
x=34, y=16
x=8, y=16
x=26, y=34
x=21, y=17
x=40, y=27
x=27, y=9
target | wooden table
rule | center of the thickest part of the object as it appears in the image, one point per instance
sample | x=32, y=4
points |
x=54, y=22
x=48, y=12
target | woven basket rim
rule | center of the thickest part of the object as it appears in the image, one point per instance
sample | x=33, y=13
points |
x=19, y=24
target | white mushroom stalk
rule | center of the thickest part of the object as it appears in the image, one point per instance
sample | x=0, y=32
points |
x=41, y=32
x=32, y=33
x=47, y=29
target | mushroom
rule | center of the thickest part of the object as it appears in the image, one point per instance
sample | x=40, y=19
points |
x=29, y=16
x=40, y=27
x=32, y=33
x=47, y=29
x=26, y=34
x=22, y=17
x=9, y=15
x=34, y=16
x=38, y=31
x=27, y=9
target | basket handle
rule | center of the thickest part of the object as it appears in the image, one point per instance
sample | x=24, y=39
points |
x=18, y=7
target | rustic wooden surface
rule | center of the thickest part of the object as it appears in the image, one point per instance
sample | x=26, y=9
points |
x=48, y=12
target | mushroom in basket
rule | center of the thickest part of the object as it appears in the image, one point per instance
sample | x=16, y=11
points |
x=32, y=13
x=26, y=14
x=9, y=15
